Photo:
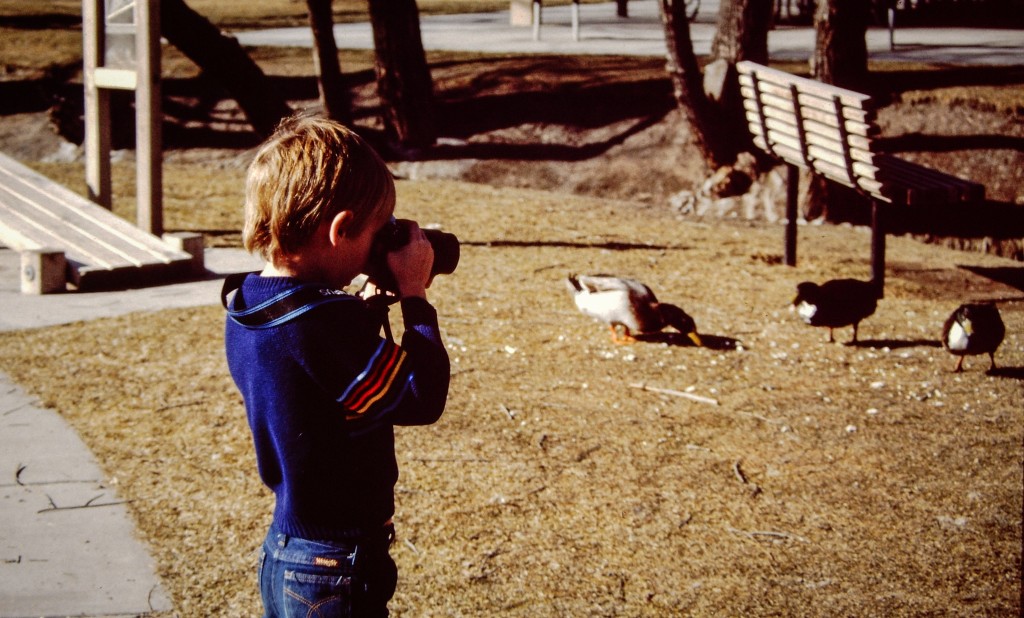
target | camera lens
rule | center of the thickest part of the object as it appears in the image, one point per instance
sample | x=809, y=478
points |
x=392, y=237
x=446, y=251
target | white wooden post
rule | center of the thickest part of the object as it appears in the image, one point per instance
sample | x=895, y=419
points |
x=148, y=118
x=97, y=106
x=106, y=70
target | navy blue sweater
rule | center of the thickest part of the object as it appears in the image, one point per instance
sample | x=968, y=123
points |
x=322, y=393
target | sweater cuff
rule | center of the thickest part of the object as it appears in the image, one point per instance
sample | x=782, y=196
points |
x=416, y=310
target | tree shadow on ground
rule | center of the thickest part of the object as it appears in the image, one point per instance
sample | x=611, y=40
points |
x=1012, y=276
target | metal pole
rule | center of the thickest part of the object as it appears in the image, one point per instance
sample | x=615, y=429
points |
x=792, y=191
x=536, y=19
x=878, y=246
x=575, y=20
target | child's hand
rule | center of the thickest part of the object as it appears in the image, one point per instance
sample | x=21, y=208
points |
x=411, y=264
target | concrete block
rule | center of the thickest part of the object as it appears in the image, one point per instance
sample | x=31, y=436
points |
x=192, y=244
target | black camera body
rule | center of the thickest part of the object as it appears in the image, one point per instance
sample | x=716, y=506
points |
x=394, y=236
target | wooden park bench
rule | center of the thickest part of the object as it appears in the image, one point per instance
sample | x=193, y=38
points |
x=829, y=131
x=63, y=237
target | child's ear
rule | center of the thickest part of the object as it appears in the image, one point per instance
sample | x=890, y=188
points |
x=340, y=226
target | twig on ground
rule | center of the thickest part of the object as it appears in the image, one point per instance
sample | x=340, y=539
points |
x=509, y=413
x=674, y=393
x=769, y=533
x=739, y=473
x=184, y=404
x=90, y=504
x=755, y=489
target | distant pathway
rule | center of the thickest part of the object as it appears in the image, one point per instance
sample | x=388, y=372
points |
x=602, y=32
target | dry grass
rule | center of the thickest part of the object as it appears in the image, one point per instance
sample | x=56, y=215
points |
x=830, y=479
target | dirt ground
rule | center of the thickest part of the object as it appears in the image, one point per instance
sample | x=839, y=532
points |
x=768, y=473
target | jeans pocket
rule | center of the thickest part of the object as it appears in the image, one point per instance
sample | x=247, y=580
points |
x=313, y=593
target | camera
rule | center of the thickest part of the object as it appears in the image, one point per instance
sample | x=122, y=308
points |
x=393, y=236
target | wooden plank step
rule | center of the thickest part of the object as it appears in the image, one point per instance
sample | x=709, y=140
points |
x=101, y=248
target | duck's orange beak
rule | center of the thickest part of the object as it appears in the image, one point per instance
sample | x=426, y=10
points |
x=694, y=337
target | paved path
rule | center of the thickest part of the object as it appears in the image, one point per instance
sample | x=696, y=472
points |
x=67, y=544
x=641, y=34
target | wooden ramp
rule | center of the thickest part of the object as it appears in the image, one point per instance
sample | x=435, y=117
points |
x=42, y=220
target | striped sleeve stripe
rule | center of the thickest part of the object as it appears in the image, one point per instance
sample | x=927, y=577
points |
x=375, y=381
x=392, y=403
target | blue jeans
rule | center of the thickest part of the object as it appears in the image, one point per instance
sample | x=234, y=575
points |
x=302, y=578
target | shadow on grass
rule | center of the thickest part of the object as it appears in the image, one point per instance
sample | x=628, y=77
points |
x=1013, y=373
x=1012, y=276
x=895, y=344
x=717, y=343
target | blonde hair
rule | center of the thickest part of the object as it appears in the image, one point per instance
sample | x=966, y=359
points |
x=308, y=171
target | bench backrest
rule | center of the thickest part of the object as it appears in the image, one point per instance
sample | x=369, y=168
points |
x=812, y=125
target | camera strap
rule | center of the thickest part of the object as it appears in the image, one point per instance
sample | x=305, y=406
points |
x=292, y=303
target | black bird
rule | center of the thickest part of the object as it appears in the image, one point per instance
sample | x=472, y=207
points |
x=974, y=328
x=836, y=303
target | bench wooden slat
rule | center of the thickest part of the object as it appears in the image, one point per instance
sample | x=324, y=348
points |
x=45, y=200
x=862, y=168
x=37, y=213
x=33, y=228
x=833, y=171
x=859, y=147
x=922, y=185
x=858, y=133
x=783, y=80
x=857, y=121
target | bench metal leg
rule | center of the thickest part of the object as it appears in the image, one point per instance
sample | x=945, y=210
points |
x=792, y=191
x=878, y=247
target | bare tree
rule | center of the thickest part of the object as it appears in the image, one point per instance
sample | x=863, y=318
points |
x=223, y=59
x=404, y=84
x=840, y=58
x=333, y=94
x=717, y=120
x=688, y=85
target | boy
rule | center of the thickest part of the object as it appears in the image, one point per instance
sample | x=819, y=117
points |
x=322, y=389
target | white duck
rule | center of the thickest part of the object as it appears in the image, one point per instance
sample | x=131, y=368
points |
x=627, y=303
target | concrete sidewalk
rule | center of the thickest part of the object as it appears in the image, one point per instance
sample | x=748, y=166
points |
x=641, y=34
x=67, y=544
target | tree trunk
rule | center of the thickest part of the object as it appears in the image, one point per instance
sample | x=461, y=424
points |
x=741, y=34
x=840, y=58
x=688, y=86
x=742, y=31
x=333, y=94
x=840, y=50
x=710, y=100
x=404, y=84
x=223, y=60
